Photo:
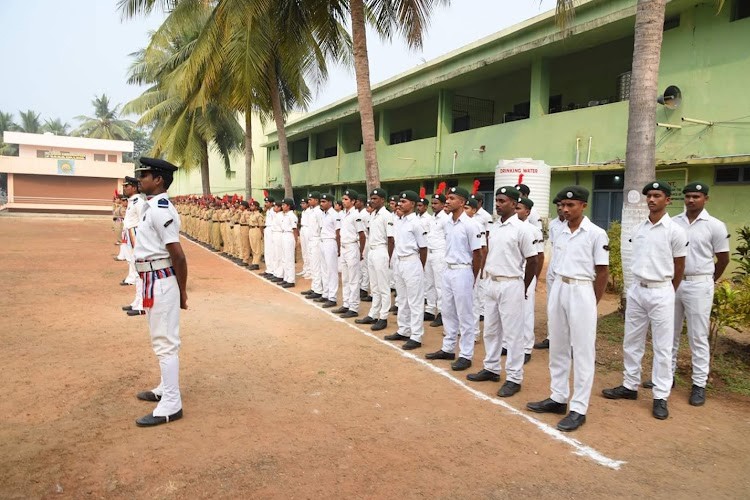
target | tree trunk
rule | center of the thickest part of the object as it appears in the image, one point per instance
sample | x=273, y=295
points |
x=205, y=180
x=640, y=153
x=364, y=93
x=278, y=117
x=248, y=153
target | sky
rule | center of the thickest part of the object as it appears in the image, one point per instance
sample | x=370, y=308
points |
x=58, y=55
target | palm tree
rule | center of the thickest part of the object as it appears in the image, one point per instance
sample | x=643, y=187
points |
x=56, y=126
x=29, y=122
x=7, y=125
x=105, y=123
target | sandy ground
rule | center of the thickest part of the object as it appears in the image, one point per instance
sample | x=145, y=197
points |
x=282, y=400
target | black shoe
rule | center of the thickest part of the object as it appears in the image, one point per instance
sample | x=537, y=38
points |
x=254, y=267
x=526, y=358
x=548, y=406
x=148, y=396
x=320, y=299
x=440, y=355
x=697, y=396
x=136, y=312
x=150, y=420
x=367, y=299
x=127, y=308
x=395, y=336
x=544, y=344
x=365, y=321
x=571, y=422
x=483, y=376
x=287, y=285
x=620, y=392
x=393, y=309
x=313, y=296
x=380, y=324
x=307, y=292
x=329, y=304
x=429, y=317
x=481, y=317
x=508, y=389
x=438, y=320
x=264, y=275
x=362, y=293
x=461, y=364
x=411, y=344
x=277, y=280
x=504, y=352
x=340, y=310
x=243, y=263
x=660, y=409
x=349, y=314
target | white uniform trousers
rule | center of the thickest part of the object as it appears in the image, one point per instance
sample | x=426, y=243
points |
x=409, y=277
x=269, y=250
x=164, y=324
x=137, y=303
x=365, y=275
x=571, y=313
x=548, y=282
x=434, y=270
x=132, y=276
x=330, y=274
x=693, y=301
x=304, y=243
x=316, y=265
x=456, y=304
x=503, y=322
x=123, y=253
x=480, y=292
x=380, y=282
x=350, y=276
x=528, y=318
x=644, y=306
x=278, y=252
x=288, y=248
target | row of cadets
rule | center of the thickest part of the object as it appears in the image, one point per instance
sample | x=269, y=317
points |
x=136, y=202
x=330, y=223
x=350, y=236
x=314, y=221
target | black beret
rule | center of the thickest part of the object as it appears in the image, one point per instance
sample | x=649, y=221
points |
x=132, y=181
x=440, y=197
x=696, y=187
x=382, y=193
x=244, y=204
x=352, y=194
x=288, y=201
x=269, y=199
x=394, y=198
x=155, y=165
x=478, y=197
x=573, y=193
x=472, y=203
x=326, y=196
x=662, y=186
x=555, y=200
x=523, y=188
x=526, y=202
x=314, y=195
x=459, y=191
x=409, y=195
x=362, y=197
x=509, y=191
x=423, y=201
x=302, y=200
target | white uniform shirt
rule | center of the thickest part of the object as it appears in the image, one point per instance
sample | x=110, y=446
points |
x=409, y=236
x=304, y=219
x=707, y=236
x=351, y=226
x=510, y=244
x=426, y=220
x=277, y=218
x=159, y=226
x=288, y=221
x=555, y=226
x=484, y=219
x=330, y=223
x=380, y=229
x=315, y=221
x=534, y=218
x=655, y=248
x=462, y=237
x=270, y=214
x=577, y=254
x=134, y=211
x=365, y=216
x=436, y=234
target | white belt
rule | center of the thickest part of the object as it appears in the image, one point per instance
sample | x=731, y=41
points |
x=571, y=281
x=655, y=284
x=409, y=257
x=350, y=242
x=377, y=245
x=153, y=265
x=459, y=266
x=503, y=278
x=699, y=277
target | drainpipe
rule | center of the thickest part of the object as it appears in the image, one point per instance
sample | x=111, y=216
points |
x=578, y=149
x=588, y=155
x=455, y=155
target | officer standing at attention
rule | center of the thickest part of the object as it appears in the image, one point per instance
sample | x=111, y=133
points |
x=364, y=285
x=555, y=226
x=581, y=267
x=511, y=243
x=351, y=237
x=462, y=255
x=330, y=223
x=244, y=239
x=162, y=265
x=255, y=221
x=289, y=237
x=426, y=219
x=304, y=238
x=657, y=266
x=410, y=251
x=436, y=264
x=484, y=219
x=130, y=223
x=377, y=262
x=268, y=249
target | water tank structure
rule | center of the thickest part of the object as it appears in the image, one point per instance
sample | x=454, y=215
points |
x=534, y=173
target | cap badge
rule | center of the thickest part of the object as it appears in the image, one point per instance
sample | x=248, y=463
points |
x=698, y=186
x=569, y=194
x=453, y=190
x=502, y=190
x=655, y=184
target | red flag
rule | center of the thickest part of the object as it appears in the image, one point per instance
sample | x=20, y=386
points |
x=476, y=186
x=520, y=179
x=441, y=188
x=422, y=192
x=265, y=193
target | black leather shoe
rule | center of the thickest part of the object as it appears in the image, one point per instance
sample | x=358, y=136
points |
x=380, y=324
x=620, y=392
x=411, y=344
x=461, y=364
x=438, y=320
x=660, y=409
x=571, y=422
x=508, y=389
x=697, y=396
x=307, y=292
x=395, y=336
x=349, y=314
x=320, y=299
x=340, y=310
x=526, y=358
x=313, y=296
x=136, y=312
x=365, y=321
x=544, y=344
x=440, y=355
x=429, y=317
x=367, y=299
x=148, y=396
x=329, y=304
x=481, y=317
x=504, y=352
x=150, y=420
x=483, y=376
x=127, y=308
x=362, y=293
x=287, y=285
x=548, y=406
x=264, y=275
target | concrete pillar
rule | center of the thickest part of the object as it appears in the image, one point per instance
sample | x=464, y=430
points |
x=539, y=87
x=312, y=147
x=444, y=124
x=384, y=126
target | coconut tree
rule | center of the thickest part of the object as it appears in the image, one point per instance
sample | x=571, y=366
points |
x=105, y=124
x=56, y=126
x=7, y=125
x=30, y=122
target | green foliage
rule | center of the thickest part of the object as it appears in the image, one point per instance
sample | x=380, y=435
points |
x=7, y=124
x=742, y=253
x=105, y=123
x=30, y=122
x=616, y=281
x=56, y=126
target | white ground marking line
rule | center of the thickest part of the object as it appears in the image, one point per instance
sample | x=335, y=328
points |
x=580, y=449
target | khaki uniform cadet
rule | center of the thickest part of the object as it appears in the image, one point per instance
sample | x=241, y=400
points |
x=534, y=218
x=244, y=233
x=510, y=245
x=304, y=238
x=707, y=237
x=657, y=268
x=523, y=211
x=377, y=262
x=436, y=263
x=462, y=260
x=215, y=223
x=425, y=218
x=255, y=221
x=289, y=236
x=410, y=251
x=235, y=229
x=162, y=266
x=268, y=249
x=330, y=223
x=315, y=222
x=364, y=286
x=580, y=266
x=222, y=218
x=351, y=236
x=117, y=216
x=555, y=226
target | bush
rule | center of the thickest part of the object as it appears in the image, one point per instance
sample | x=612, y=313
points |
x=742, y=253
x=616, y=282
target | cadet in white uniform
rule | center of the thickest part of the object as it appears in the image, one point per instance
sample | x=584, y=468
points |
x=162, y=265
x=523, y=209
x=351, y=235
x=381, y=231
x=364, y=286
x=304, y=238
x=708, y=239
x=581, y=267
x=510, y=245
x=330, y=223
x=462, y=255
x=657, y=268
x=555, y=226
x=315, y=220
x=484, y=219
x=410, y=253
x=289, y=237
x=277, y=271
x=269, y=251
x=132, y=217
x=425, y=218
x=435, y=267
x=534, y=218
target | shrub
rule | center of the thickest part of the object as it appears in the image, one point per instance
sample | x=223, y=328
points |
x=615, y=258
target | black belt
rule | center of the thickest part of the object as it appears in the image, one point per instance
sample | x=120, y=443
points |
x=243, y=225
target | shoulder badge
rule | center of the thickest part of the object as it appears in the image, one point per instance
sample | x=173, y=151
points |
x=163, y=203
x=606, y=247
x=135, y=201
x=479, y=235
x=168, y=223
x=729, y=236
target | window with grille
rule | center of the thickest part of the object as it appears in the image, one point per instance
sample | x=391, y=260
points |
x=472, y=112
x=733, y=175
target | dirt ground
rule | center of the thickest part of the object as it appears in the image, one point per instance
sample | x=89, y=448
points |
x=282, y=400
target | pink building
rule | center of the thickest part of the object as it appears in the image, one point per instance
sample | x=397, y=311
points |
x=64, y=174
